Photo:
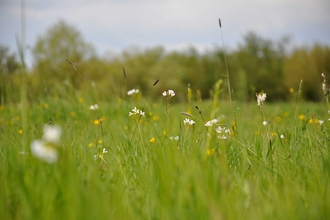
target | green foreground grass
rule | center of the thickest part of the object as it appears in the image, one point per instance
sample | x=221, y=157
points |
x=277, y=171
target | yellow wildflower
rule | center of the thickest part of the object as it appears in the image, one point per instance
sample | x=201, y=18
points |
x=210, y=152
x=301, y=117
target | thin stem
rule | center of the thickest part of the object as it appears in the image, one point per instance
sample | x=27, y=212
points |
x=224, y=56
x=298, y=100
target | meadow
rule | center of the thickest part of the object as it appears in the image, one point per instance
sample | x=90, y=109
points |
x=132, y=158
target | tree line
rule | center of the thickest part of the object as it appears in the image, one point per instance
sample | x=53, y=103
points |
x=257, y=64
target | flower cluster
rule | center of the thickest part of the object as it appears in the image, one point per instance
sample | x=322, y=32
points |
x=136, y=111
x=94, y=107
x=188, y=122
x=211, y=123
x=45, y=149
x=325, y=87
x=223, y=132
x=261, y=97
x=101, y=155
x=133, y=92
x=175, y=138
x=167, y=100
x=169, y=94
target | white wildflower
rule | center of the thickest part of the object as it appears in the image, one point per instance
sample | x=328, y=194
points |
x=170, y=93
x=45, y=149
x=104, y=151
x=52, y=134
x=261, y=97
x=282, y=136
x=211, y=122
x=222, y=137
x=188, y=122
x=136, y=111
x=321, y=122
x=176, y=138
x=222, y=131
x=133, y=91
x=43, y=152
x=94, y=107
x=264, y=123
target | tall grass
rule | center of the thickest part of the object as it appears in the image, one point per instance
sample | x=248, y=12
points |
x=149, y=175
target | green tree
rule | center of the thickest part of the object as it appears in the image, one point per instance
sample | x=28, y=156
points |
x=8, y=66
x=307, y=63
x=260, y=62
x=60, y=41
x=8, y=61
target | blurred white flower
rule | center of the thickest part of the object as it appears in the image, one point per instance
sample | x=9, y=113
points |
x=325, y=87
x=52, y=134
x=136, y=111
x=170, y=93
x=176, y=138
x=321, y=122
x=220, y=130
x=104, y=151
x=45, y=149
x=223, y=132
x=264, y=123
x=282, y=136
x=222, y=137
x=261, y=97
x=94, y=107
x=211, y=122
x=188, y=122
x=43, y=152
x=133, y=91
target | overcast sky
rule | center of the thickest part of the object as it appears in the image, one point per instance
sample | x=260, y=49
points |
x=114, y=25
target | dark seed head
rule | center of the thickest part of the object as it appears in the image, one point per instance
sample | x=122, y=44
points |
x=187, y=114
x=155, y=83
x=124, y=73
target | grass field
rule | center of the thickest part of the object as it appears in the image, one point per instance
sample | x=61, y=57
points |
x=110, y=165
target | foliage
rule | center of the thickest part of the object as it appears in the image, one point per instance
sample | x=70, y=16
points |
x=257, y=64
x=115, y=166
x=307, y=64
x=8, y=61
x=9, y=67
x=260, y=62
x=60, y=42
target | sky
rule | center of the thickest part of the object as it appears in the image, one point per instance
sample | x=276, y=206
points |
x=114, y=25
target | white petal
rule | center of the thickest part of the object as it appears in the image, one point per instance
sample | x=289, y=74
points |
x=52, y=134
x=47, y=154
